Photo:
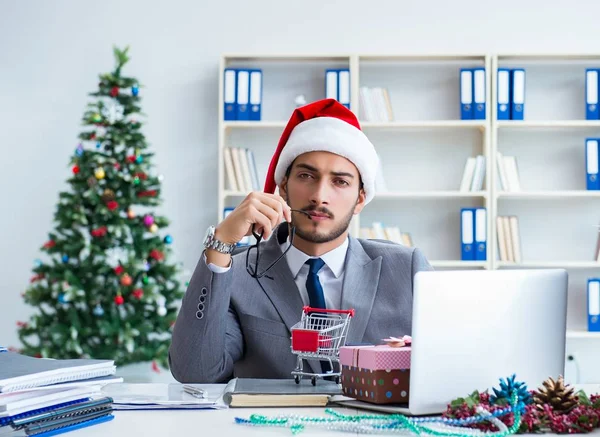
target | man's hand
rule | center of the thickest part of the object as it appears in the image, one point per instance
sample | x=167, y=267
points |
x=263, y=210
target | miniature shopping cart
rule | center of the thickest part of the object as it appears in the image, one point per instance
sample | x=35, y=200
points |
x=319, y=336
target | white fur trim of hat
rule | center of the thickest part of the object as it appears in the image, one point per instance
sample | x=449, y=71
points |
x=329, y=134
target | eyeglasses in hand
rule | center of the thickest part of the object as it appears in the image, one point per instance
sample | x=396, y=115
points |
x=253, y=270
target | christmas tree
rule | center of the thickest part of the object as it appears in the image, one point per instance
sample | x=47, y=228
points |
x=105, y=288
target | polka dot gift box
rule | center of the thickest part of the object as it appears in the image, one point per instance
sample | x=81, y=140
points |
x=377, y=374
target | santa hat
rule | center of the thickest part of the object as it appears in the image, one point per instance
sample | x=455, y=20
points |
x=325, y=125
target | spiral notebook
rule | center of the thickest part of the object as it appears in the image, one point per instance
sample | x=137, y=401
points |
x=20, y=372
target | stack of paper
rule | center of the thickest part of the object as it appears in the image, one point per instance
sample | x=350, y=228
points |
x=40, y=395
x=163, y=396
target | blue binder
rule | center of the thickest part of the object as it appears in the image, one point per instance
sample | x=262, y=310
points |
x=467, y=234
x=256, y=94
x=593, y=304
x=517, y=84
x=466, y=94
x=479, y=94
x=480, y=234
x=343, y=91
x=331, y=84
x=503, y=94
x=591, y=94
x=591, y=164
x=243, y=95
x=229, y=94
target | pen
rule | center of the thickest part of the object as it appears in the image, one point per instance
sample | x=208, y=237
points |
x=194, y=391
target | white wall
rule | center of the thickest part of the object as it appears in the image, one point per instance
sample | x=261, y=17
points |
x=52, y=51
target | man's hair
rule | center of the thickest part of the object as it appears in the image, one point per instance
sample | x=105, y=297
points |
x=289, y=171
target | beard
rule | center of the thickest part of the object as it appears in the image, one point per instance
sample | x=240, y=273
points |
x=325, y=237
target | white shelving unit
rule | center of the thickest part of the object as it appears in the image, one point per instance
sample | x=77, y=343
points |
x=557, y=216
x=423, y=152
x=583, y=335
x=426, y=123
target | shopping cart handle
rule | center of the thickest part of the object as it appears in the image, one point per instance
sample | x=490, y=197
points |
x=308, y=310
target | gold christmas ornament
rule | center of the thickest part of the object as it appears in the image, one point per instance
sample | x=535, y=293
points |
x=108, y=195
x=556, y=394
x=130, y=214
x=154, y=228
x=99, y=173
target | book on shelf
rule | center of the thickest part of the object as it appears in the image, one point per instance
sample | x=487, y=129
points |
x=240, y=169
x=508, y=173
x=390, y=233
x=509, y=238
x=473, y=174
x=375, y=104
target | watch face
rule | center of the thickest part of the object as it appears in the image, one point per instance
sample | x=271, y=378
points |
x=209, y=233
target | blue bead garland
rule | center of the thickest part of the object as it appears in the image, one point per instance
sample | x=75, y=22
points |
x=398, y=423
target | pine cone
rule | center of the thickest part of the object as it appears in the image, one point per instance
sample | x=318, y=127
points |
x=557, y=395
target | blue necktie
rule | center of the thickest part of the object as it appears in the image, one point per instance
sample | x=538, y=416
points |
x=313, y=285
x=315, y=293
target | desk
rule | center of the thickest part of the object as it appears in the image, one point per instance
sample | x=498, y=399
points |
x=221, y=422
x=202, y=423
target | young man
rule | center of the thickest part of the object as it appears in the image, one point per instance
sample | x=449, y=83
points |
x=235, y=318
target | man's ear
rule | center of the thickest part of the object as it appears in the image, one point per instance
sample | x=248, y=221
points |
x=283, y=188
x=360, y=203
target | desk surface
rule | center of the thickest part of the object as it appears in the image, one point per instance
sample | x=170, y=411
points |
x=220, y=422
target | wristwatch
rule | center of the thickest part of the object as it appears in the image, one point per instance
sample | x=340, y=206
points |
x=210, y=242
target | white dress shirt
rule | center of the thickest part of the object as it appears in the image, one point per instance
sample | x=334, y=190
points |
x=331, y=274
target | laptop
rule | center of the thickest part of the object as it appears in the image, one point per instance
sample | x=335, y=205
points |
x=471, y=328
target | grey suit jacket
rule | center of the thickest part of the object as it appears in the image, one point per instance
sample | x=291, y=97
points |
x=228, y=326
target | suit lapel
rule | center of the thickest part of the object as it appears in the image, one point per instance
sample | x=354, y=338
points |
x=361, y=278
x=281, y=289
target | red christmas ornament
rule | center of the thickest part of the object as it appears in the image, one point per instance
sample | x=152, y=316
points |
x=114, y=92
x=49, y=244
x=155, y=367
x=119, y=300
x=157, y=255
x=126, y=280
x=75, y=169
x=117, y=166
x=37, y=277
x=131, y=158
x=92, y=135
x=119, y=270
x=143, y=176
x=99, y=232
x=112, y=205
x=22, y=324
x=138, y=293
x=148, y=193
x=38, y=355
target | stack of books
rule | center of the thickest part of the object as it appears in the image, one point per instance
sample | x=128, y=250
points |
x=47, y=397
x=509, y=238
x=390, y=233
